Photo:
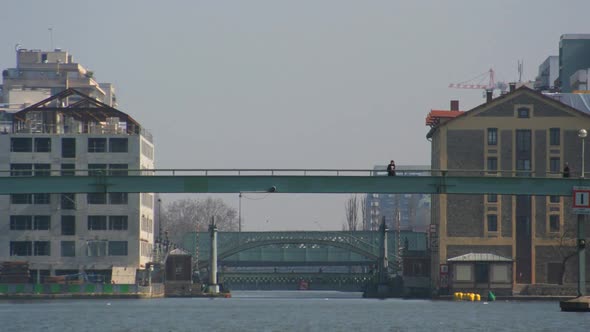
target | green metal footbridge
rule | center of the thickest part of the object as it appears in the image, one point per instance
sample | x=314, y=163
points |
x=287, y=181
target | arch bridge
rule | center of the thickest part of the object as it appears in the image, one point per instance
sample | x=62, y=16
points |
x=299, y=248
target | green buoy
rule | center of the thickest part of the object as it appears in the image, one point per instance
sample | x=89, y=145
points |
x=491, y=296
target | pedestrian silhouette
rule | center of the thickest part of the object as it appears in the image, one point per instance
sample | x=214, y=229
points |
x=566, y=170
x=391, y=168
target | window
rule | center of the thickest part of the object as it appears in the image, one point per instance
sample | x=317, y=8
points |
x=555, y=165
x=97, y=145
x=41, y=199
x=68, y=225
x=492, y=223
x=41, y=223
x=21, y=248
x=500, y=273
x=492, y=198
x=42, y=169
x=118, y=198
x=68, y=148
x=30, y=198
x=21, y=169
x=21, y=199
x=97, y=223
x=118, y=145
x=118, y=223
x=68, y=201
x=554, y=223
x=117, y=248
x=68, y=248
x=42, y=144
x=21, y=144
x=68, y=169
x=96, y=198
x=554, y=136
x=492, y=136
x=97, y=169
x=482, y=272
x=554, y=199
x=41, y=248
x=118, y=169
x=523, y=141
x=492, y=164
x=463, y=272
x=97, y=248
x=21, y=223
x=523, y=112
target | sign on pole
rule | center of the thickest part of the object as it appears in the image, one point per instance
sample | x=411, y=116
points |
x=581, y=201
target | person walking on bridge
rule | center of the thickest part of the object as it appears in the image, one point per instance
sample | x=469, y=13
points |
x=391, y=168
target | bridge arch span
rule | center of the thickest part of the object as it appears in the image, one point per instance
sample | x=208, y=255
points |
x=371, y=255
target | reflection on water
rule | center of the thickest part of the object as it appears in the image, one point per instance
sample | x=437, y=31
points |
x=286, y=311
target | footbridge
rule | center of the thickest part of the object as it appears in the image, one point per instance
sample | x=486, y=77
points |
x=286, y=181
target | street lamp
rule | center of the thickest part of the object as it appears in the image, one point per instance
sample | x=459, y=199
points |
x=160, y=218
x=240, y=213
x=582, y=133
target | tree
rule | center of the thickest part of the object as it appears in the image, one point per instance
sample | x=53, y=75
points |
x=565, y=249
x=190, y=215
x=351, y=213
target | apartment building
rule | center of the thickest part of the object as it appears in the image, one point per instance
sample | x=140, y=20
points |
x=67, y=134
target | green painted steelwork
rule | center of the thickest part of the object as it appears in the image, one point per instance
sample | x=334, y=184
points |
x=292, y=184
x=295, y=277
x=310, y=248
x=292, y=181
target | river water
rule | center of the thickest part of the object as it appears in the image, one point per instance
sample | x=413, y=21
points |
x=286, y=311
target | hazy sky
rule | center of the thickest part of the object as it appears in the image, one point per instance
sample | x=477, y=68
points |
x=292, y=84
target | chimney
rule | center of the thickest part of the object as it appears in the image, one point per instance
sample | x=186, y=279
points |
x=512, y=86
x=454, y=105
x=489, y=95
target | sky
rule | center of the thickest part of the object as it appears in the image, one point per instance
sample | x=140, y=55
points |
x=272, y=84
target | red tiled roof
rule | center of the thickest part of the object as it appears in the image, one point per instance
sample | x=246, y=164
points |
x=435, y=115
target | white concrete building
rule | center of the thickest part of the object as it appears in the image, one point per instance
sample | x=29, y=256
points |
x=70, y=233
x=53, y=71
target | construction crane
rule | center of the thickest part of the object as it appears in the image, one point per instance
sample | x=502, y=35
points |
x=478, y=82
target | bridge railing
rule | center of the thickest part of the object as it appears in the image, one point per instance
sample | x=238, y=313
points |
x=270, y=172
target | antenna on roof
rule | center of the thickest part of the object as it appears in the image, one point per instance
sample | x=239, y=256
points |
x=520, y=70
x=50, y=38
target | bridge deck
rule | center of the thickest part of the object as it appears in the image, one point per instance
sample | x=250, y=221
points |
x=292, y=181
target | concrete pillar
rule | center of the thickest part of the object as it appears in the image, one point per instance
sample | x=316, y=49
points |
x=213, y=286
x=383, y=259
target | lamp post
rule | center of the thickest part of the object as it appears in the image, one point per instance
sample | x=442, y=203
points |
x=240, y=213
x=160, y=218
x=582, y=133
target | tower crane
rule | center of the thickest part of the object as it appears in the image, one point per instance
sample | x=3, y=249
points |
x=478, y=82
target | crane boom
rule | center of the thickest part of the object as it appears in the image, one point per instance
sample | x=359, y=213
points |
x=465, y=85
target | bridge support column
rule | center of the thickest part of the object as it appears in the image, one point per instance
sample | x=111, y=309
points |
x=213, y=286
x=383, y=259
